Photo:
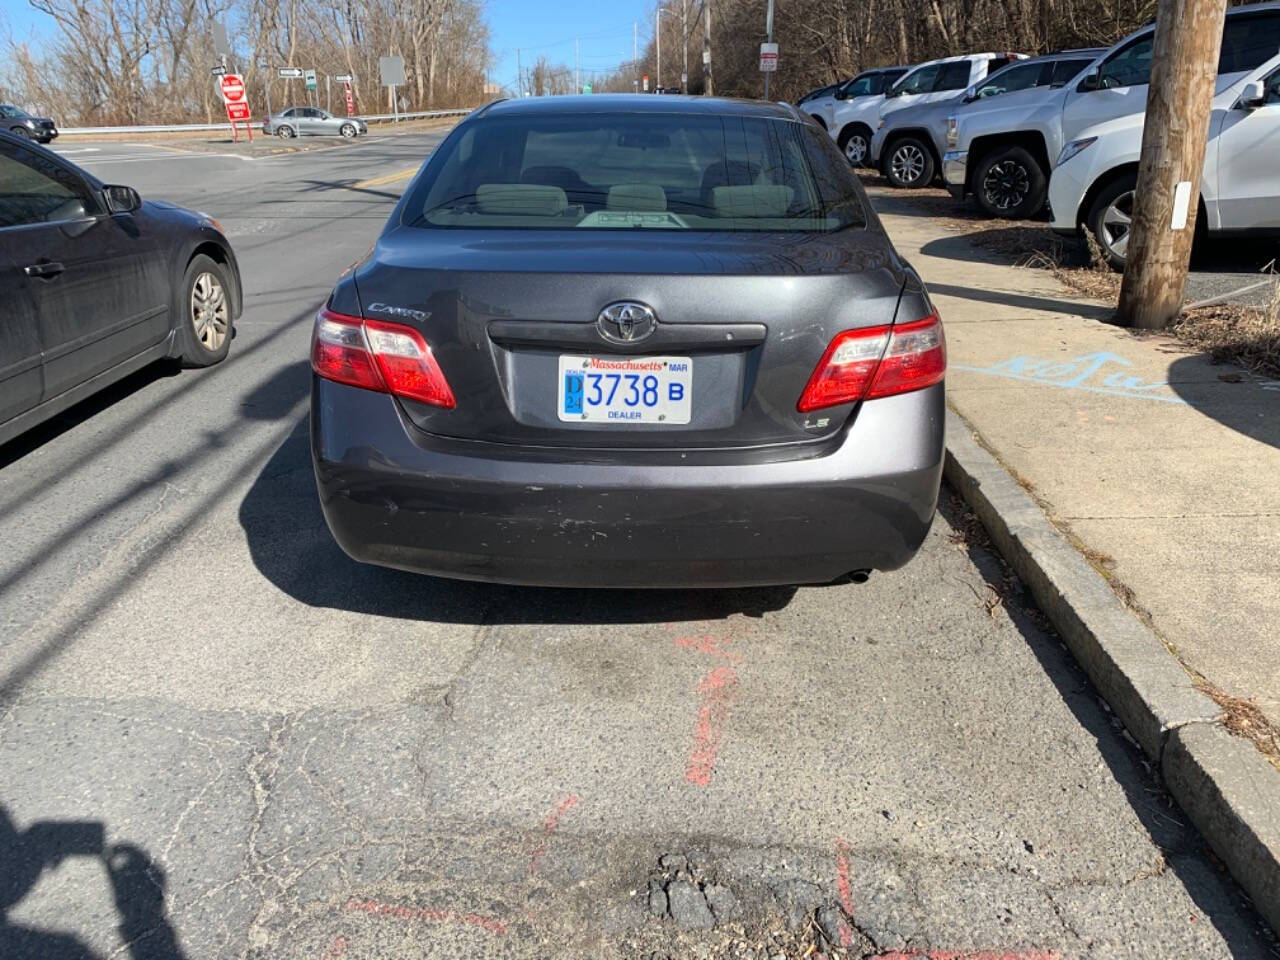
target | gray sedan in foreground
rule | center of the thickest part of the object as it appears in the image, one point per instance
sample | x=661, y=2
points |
x=631, y=342
x=312, y=121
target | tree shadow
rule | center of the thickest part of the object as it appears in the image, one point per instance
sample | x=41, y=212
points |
x=137, y=886
x=291, y=546
x=1239, y=402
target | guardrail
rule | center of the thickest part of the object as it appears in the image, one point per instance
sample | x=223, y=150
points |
x=199, y=127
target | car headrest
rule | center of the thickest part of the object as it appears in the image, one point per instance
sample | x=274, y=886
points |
x=756, y=200
x=646, y=197
x=522, y=199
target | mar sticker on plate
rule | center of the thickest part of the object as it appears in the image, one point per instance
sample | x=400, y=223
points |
x=625, y=389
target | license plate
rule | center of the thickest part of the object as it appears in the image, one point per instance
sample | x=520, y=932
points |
x=625, y=389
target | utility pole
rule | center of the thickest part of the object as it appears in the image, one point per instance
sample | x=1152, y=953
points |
x=708, y=89
x=1184, y=66
x=519, y=77
x=635, y=55
x=768, y=29
x=658, y=30
x=684, y=45
x=577, y=77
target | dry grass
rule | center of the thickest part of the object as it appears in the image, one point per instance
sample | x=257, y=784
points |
x=1249, y=336
x=1244, y=719
x=1037, y=248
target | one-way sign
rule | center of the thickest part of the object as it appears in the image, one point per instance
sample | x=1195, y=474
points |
x=343, y=78
x=290, y=73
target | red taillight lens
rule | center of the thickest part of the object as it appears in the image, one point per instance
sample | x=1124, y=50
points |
x=877, y=362
x=377, y=355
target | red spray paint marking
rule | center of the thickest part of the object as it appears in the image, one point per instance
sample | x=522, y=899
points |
x=968, y=955
x=552, y=821
x=375, y=908
x=336, y=949
x=717, y=691
x=710, y=645
x=846, y=892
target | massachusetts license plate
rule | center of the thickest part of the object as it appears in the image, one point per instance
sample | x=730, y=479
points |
x=625, y=389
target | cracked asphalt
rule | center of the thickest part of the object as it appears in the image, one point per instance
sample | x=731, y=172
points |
x=220, y=738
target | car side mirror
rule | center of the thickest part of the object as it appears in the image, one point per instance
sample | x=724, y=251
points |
x=1253, y=96
x=121, y=199
x=1089, y=82
x=971, y=94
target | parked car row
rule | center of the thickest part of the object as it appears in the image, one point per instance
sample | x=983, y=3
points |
x=1066, y=129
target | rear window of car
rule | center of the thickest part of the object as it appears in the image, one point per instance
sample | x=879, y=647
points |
x=657, y=171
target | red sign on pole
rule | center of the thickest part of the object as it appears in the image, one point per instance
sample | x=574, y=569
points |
x=351, y=103
x=233, y=97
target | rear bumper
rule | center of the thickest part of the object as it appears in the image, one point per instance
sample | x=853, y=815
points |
x=479, y=511
x=955, y=171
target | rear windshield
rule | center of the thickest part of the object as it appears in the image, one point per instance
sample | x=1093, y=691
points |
x=614, y=171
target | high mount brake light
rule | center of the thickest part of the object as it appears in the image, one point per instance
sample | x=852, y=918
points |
x=873, y=362
x=377, y=355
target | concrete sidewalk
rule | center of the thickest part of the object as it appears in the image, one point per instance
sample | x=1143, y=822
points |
x=1162, y=467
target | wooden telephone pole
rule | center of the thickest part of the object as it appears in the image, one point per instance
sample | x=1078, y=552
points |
x=1184, y=70
x=706, y=47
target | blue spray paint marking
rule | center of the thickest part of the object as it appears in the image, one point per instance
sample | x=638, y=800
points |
x=1079, y=373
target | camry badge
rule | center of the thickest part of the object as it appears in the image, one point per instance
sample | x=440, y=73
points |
x=626, y=322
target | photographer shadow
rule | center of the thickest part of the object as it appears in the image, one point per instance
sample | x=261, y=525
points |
x=137, y=886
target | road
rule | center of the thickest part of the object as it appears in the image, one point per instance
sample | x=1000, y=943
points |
x=224, y=739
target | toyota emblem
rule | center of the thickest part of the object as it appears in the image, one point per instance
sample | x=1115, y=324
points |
x=626, y=322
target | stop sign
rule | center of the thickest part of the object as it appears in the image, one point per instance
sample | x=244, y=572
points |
x=233, y=88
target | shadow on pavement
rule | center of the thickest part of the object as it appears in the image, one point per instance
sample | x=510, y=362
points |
x=137, y=886
x=1183, y=850
x=292, y=547
x=1243, y=407
x=1020, y=300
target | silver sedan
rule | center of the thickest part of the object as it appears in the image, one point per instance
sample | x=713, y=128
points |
x=305, y=121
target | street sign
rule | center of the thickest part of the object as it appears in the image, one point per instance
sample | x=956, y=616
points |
x=391, y=71
x=238, y=110
x=351, y=103
x=219, y=71
x=768, y=57
x=344, y=78
x=646, y=83
x=232, y=88
x=290, y=73
x=310, y=77
x=220, y=45
x=403, y=103
x=586, y=88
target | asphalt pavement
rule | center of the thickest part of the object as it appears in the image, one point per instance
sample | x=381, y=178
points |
x=219, y=737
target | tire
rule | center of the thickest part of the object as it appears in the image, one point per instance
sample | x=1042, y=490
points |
x=285, y=132
x=1009, y=183
x=349, y=131
x=204, y=322
x=855, y=143
x=908, y=163
x=22, y=132
x=1109, y=218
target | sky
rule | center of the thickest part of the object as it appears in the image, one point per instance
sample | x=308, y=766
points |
x=535, y=26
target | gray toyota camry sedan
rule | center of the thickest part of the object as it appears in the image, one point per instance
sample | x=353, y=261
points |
x=630, y=341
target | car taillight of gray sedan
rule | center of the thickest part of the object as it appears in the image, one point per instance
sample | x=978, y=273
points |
x=631, y=342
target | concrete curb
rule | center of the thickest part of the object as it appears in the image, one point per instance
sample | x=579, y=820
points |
x=1230, y=792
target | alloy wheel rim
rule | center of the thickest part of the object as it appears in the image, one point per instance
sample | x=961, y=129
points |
x=1006, y=185
x=209, y=311
x=1116, y=221
x=907, y=164
x=348, y=131
x=855, y=148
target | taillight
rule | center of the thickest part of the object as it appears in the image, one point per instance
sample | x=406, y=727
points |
x=377, y=355
x=877, y=362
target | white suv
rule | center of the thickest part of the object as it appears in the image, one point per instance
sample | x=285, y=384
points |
x=1114, y=86
x=853, y=110
x=1093, y=184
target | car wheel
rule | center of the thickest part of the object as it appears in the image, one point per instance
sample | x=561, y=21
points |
x=349, y=131
x=1111, y=217
x=854, y=144
x=22, y=132
x=204, y=318
x=285, y=132
x=909, y=164
x=1009, y=183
